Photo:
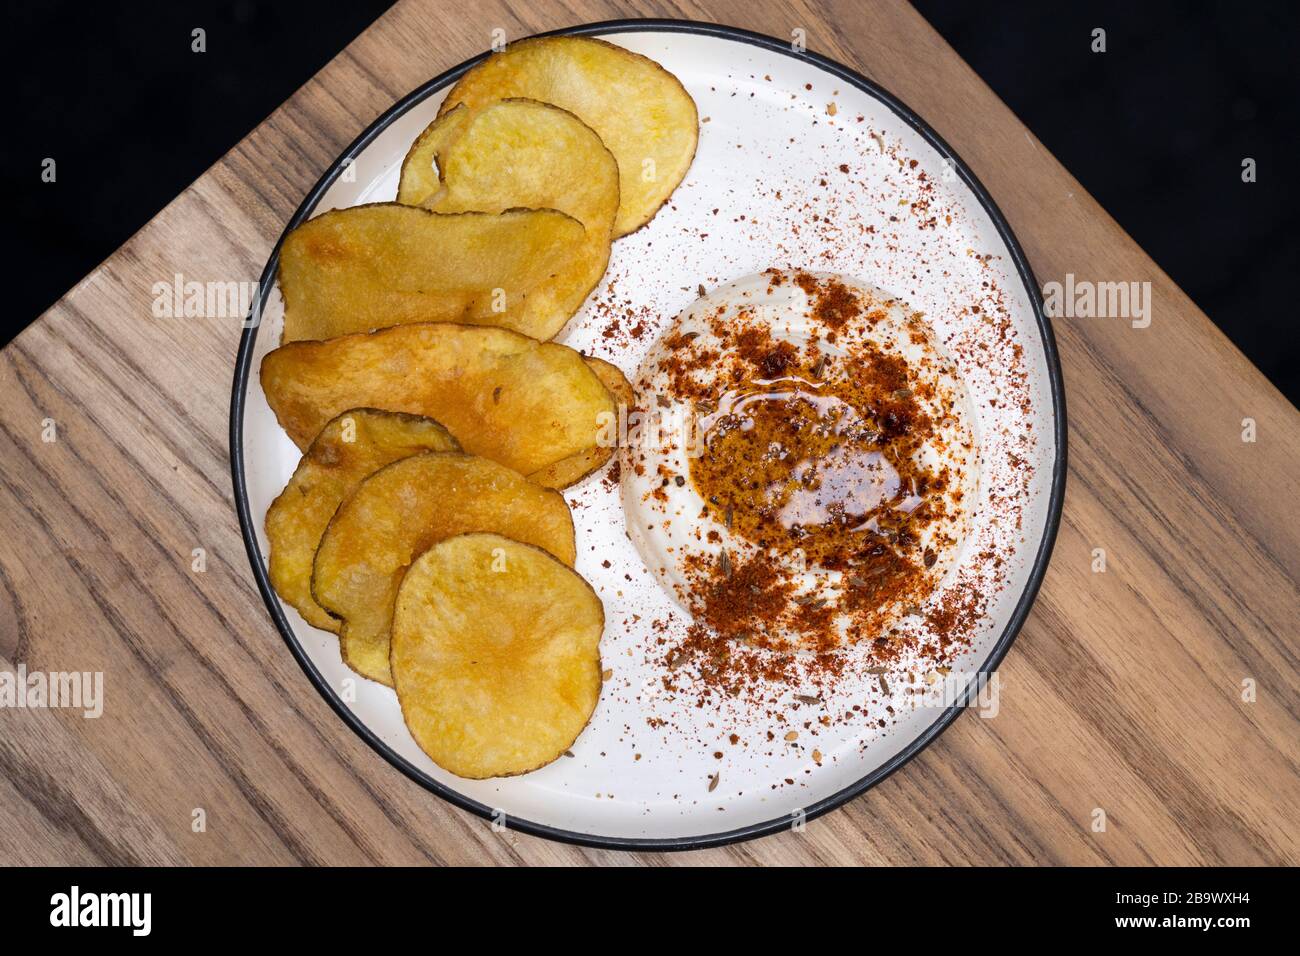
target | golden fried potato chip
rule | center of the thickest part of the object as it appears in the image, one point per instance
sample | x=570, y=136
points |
x=521, y=154
x=374, y=266
x=523, y=403
x=615, y=382
x=640, y=110
x=348, y=449
x=404, y=508
x=495, y=655
x=576, y=467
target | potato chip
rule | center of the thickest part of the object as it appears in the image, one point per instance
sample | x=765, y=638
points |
x=495, y=655
x=523, y=403
x=384, y=264
x=521, y=154
x=615, y=382
x=347, y=450
x=401, y=510
x=640, y=110
x=576, y=467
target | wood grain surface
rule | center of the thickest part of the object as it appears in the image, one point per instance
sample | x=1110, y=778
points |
x=1124, y=692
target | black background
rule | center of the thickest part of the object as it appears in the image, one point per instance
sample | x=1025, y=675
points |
x=1155, y=128
x=925, y=910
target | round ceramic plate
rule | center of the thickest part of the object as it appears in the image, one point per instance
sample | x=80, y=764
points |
x=801, y=163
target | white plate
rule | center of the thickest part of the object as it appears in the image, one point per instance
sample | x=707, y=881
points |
x=769, y=160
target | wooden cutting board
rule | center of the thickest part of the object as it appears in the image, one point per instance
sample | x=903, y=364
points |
x=1162, y=692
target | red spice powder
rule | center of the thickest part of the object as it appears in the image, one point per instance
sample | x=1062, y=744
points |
x=834, y=303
